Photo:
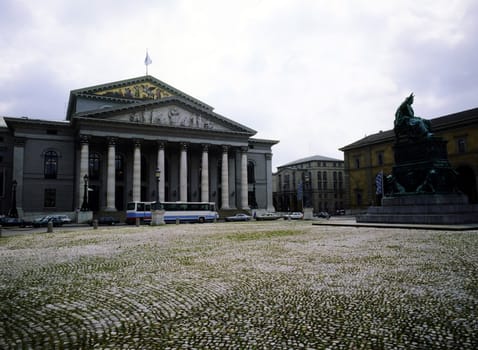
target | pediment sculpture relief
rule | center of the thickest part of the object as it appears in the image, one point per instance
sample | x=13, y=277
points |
x=175, y=117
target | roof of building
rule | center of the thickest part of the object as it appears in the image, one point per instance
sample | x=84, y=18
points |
x=109, y=92
x=440, y=123
x=310, y=159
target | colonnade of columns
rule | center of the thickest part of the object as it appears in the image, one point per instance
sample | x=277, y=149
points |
x=183, y=173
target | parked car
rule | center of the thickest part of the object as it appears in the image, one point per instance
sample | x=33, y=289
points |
x=239, y=217
x=65, y=219
x=105, y=220
x=43, y=221
x=5, y=221
x=323, y=214
x=267, y=216
x=293, y=216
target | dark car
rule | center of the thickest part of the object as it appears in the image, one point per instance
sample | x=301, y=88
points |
x=43, y=222
x=105, y=220
x=238, y=217
x=65, y=219
x=5, y=221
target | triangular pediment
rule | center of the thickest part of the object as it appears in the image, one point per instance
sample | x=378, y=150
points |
x=139, y=91
x=148, y=101
x=177, y=115
x=125, y=92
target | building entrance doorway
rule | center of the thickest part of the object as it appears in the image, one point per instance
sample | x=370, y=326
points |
x=467, y=182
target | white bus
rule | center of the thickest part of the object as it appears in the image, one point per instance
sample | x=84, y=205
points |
x=182, y=211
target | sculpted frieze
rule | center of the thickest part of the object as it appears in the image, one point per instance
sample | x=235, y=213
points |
x=172, y=116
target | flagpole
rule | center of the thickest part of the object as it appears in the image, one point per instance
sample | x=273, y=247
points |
x=147, y=61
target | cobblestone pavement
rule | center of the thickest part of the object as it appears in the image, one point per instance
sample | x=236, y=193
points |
x=269, y=285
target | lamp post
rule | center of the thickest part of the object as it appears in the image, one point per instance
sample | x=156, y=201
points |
x=307, y=190
x=157, y=215
x=13, y=210
x=157, y=173
x=84, y=205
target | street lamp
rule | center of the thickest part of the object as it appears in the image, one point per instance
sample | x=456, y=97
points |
x=307, y=190
x=157, y=215
x=157, y=173
x=84, y=205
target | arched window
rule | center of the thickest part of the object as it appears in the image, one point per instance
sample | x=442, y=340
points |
x=94, y=166
x=251, y=176
x=51, y=165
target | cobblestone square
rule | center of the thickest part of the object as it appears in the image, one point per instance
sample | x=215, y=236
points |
x=253, y=285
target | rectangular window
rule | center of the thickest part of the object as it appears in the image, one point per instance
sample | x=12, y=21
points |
x=379, y=158
x=461, y=145
x=286, y=182
x=357, y=162
x=49, y=200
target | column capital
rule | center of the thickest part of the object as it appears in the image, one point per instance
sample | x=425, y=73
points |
x=19, y=141
x=225, y=148
x=161, y=144
x=84, y=138
x=137, y=142
x=205, y=147
x=112, y=141
x=244, y=149
x=268, y=156
x=184, y=146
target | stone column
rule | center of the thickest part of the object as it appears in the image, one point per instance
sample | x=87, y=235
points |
x=18, y=171
x=183, y=174
x=270, y=203
x=111, y=179
x=205, y=174
x=244, y=187
x=137, y=171
x=225, y=178
x=161, y=168
x=84, y=160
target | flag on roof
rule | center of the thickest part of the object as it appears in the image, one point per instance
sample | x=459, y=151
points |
x=147, y=59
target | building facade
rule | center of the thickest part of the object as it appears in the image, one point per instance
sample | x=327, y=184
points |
x=367, y=157
x=133, y=140
x=316, y=182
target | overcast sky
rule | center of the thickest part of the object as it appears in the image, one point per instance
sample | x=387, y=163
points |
x=314, y=75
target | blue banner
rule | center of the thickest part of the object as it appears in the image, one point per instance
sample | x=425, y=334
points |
x=300, y=191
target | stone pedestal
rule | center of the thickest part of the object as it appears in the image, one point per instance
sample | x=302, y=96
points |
x=308, y=213
x=423, y=166
x=441, y=209
x=82, y=217
x=157, y=217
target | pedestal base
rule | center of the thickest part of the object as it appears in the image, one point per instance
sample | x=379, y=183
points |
x=82, y=217
x=445, y=209
x=157, y=217
x=308, y=213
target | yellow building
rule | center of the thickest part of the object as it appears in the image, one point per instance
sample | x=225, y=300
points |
x=367, y=157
